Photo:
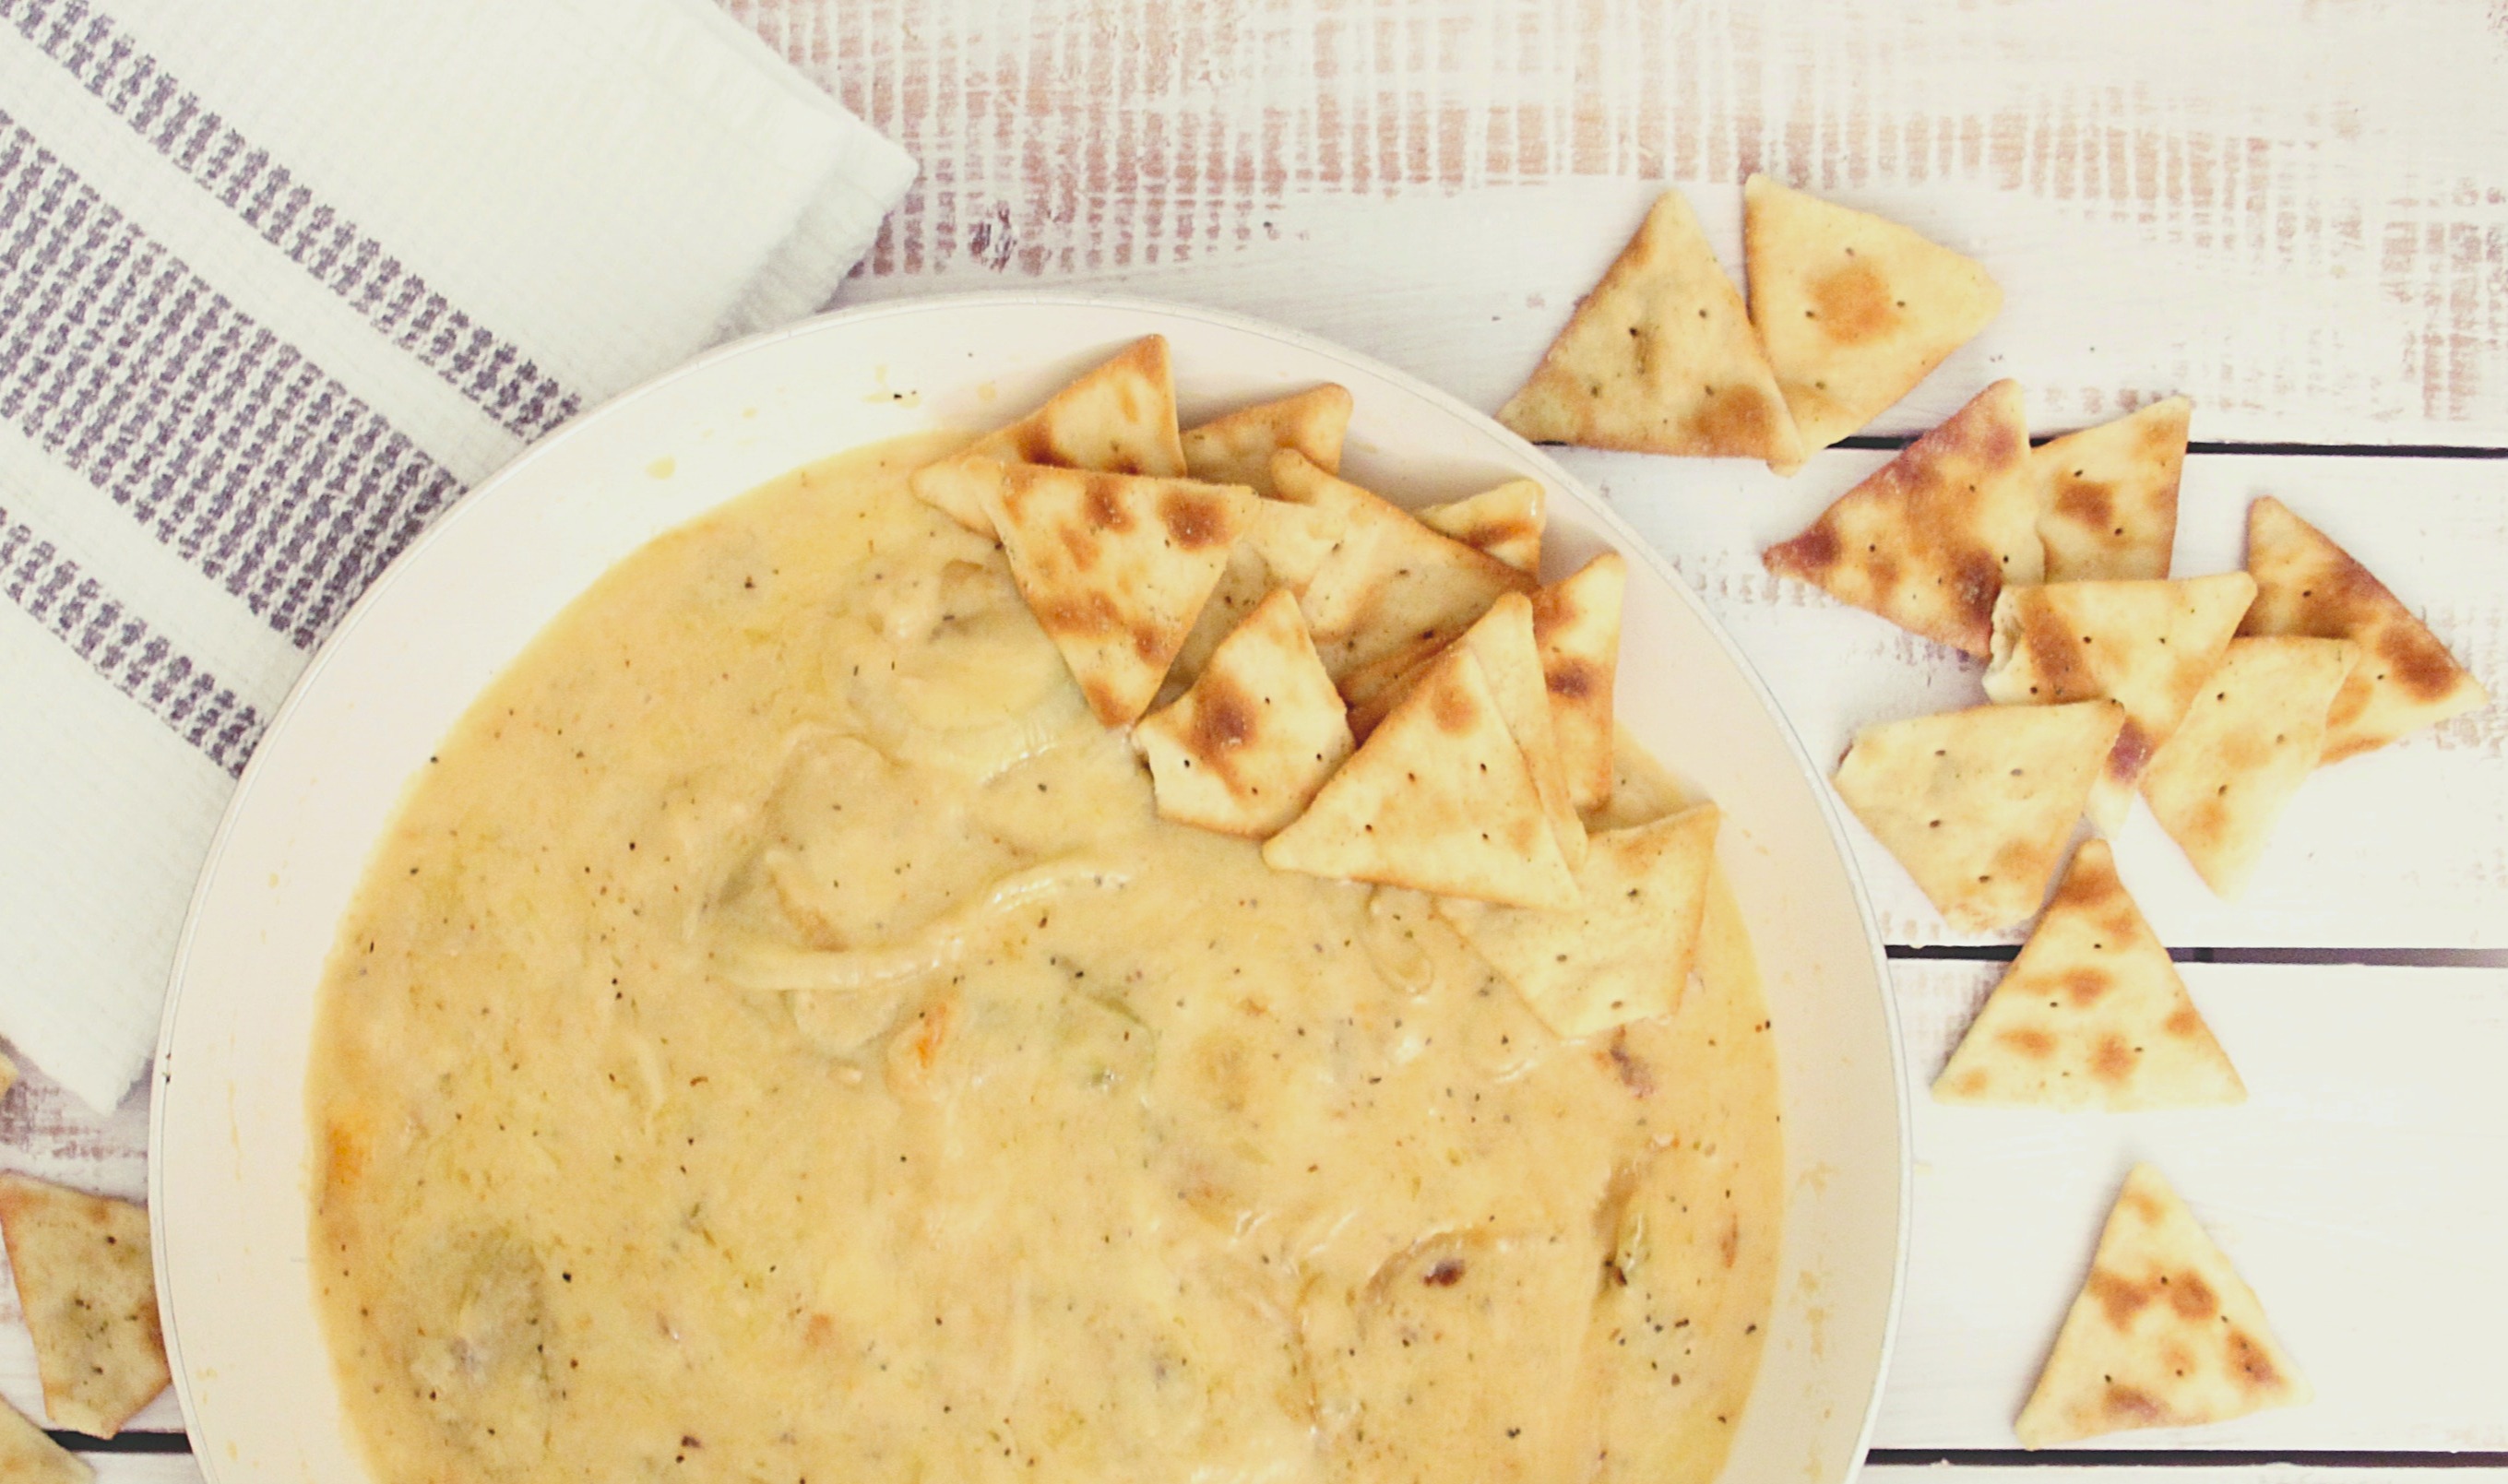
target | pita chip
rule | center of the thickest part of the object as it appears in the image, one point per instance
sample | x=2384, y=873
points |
x=2164, y=1334
x=90, y=1295
x=1439, y=799
x=1505, y=522
x=1510, y=657
x=2148, y=645
x=1391, y=586
x=1244, y=749
x=1237, y=448
x=1283, y=546
x=1978, y=804
x=2251, y=738
x=2108, y=496
x=8, y=1075
x=28, y=1457
x=1934, y=536
x=1659, y=359
x=1118, y=419
x=1116, y=567
x=1624, y=952
x=2305, y=584
x=2091, y=1015
x=1576, y=622
x=1853, y=310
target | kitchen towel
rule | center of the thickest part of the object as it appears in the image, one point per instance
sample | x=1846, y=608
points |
x=280, y=280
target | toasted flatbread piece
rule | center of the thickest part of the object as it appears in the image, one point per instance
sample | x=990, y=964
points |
x=1283, y=546
x=1853, y=310
x=1978, y=804
x=1118, y=419
x=1237, y=448
x=90, y=1294
x=28, y=1457
x=1391, y=585
x=1624, y=952
x=1935, y=534
x=2149, y=645
x=2250, y=739
x=1576, y=622
x=1659, y=359
x=1505, y=522
x=2108, y=496
x=2165, y=1334
x=2305, y=584
x=1502, y=641
x=1115, y=566
x=1244, y=749
x=2091, y=1015
x=1438, y=800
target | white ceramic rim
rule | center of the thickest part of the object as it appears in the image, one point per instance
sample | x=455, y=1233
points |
x=1625, y=537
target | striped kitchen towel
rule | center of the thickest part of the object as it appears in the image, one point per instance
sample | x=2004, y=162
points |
x=278, y=280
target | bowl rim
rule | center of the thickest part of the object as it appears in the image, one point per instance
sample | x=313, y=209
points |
x=1625, y=537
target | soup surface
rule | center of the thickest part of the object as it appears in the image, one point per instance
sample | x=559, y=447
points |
x=777, y=1040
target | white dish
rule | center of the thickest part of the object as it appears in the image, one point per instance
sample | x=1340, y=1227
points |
x=230, y=1141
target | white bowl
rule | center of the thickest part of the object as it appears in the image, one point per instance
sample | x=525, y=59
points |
x=228, y=1149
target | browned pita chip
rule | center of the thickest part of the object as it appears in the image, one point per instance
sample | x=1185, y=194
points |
x=1624, y=952
x=1118, y=419
x=1853, y=310
x=1502, y=641
x=1438, y=800
x=2165, y=1334
x=1247, y=747
x=1391, y=585
x=28, y=1457
x=1237, y=448
x=2108, y=496
x=1115, y=566
x=2305, y=584
x=1505, y=522
x=1978, y=804
x=90, y=1294
x=2248, y=742
x=2148, y=645
x=2091, y=1014
x=1577, y=624
x=1659, y=359
x=1935, y=534
x=1283, y=546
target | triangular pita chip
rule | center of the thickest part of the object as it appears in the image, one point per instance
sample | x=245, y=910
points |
x=1624, y=952
x=2091, y=1014
x=2250, y=739
x=1505, y=522
x=1115, y=566
x=1853, y=310
x=1978, y=804
x=2164, y=1334
x=2148, y=645
x=2305, y=584
x=1246, y=748
x=1576, y=622
x=1118, y=419
x=1502, y=641
x=1935, y=534
x=90, y=1295
x=1283, y=546
x=1237, y=448
x=1391, y=585
x=28, y=1457
x=2108, y=496
x=1438, y=800
x=1659, y=359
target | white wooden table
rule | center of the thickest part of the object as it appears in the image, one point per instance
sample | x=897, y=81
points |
x=2296, y=212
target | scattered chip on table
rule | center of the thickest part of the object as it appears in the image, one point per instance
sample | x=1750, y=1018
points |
x=1236, y=448
x=2251, y=738
x=27, y=1455
x=90, y=1295
x=2108, y=496
x=1118, y=419
x=1245, y=749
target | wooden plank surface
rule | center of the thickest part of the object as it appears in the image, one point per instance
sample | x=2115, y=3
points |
x=2291, y=210
x=2357, y=1192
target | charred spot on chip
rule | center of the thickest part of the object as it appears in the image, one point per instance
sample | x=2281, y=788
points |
x=2119, y=1296
x=2113, y=1060
x=1816, y=550
x=1735, y=419
x=2030, y=1040
x=2417, y=662
x=2086, y=500
x=2132, y=1403
x=2086, y=986
x=1853, y=305
x=1194, y=520
x=2192, y=1297
x=1453, y=706
x=2252, y=1366
x=2183, y=1022
x=1224, y=717
x=1571, y=678
x=1034, y=443
x=1105, y=511
x=2132, y=752
x=1445, y=1273
x=1086, y=615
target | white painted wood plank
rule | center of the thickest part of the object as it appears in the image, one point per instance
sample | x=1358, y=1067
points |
x=175, y=1468
x=2357, y=1192
x=2290, y=211
x=2407, y=847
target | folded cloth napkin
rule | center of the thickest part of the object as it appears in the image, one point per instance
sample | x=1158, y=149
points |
x=278, y=280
